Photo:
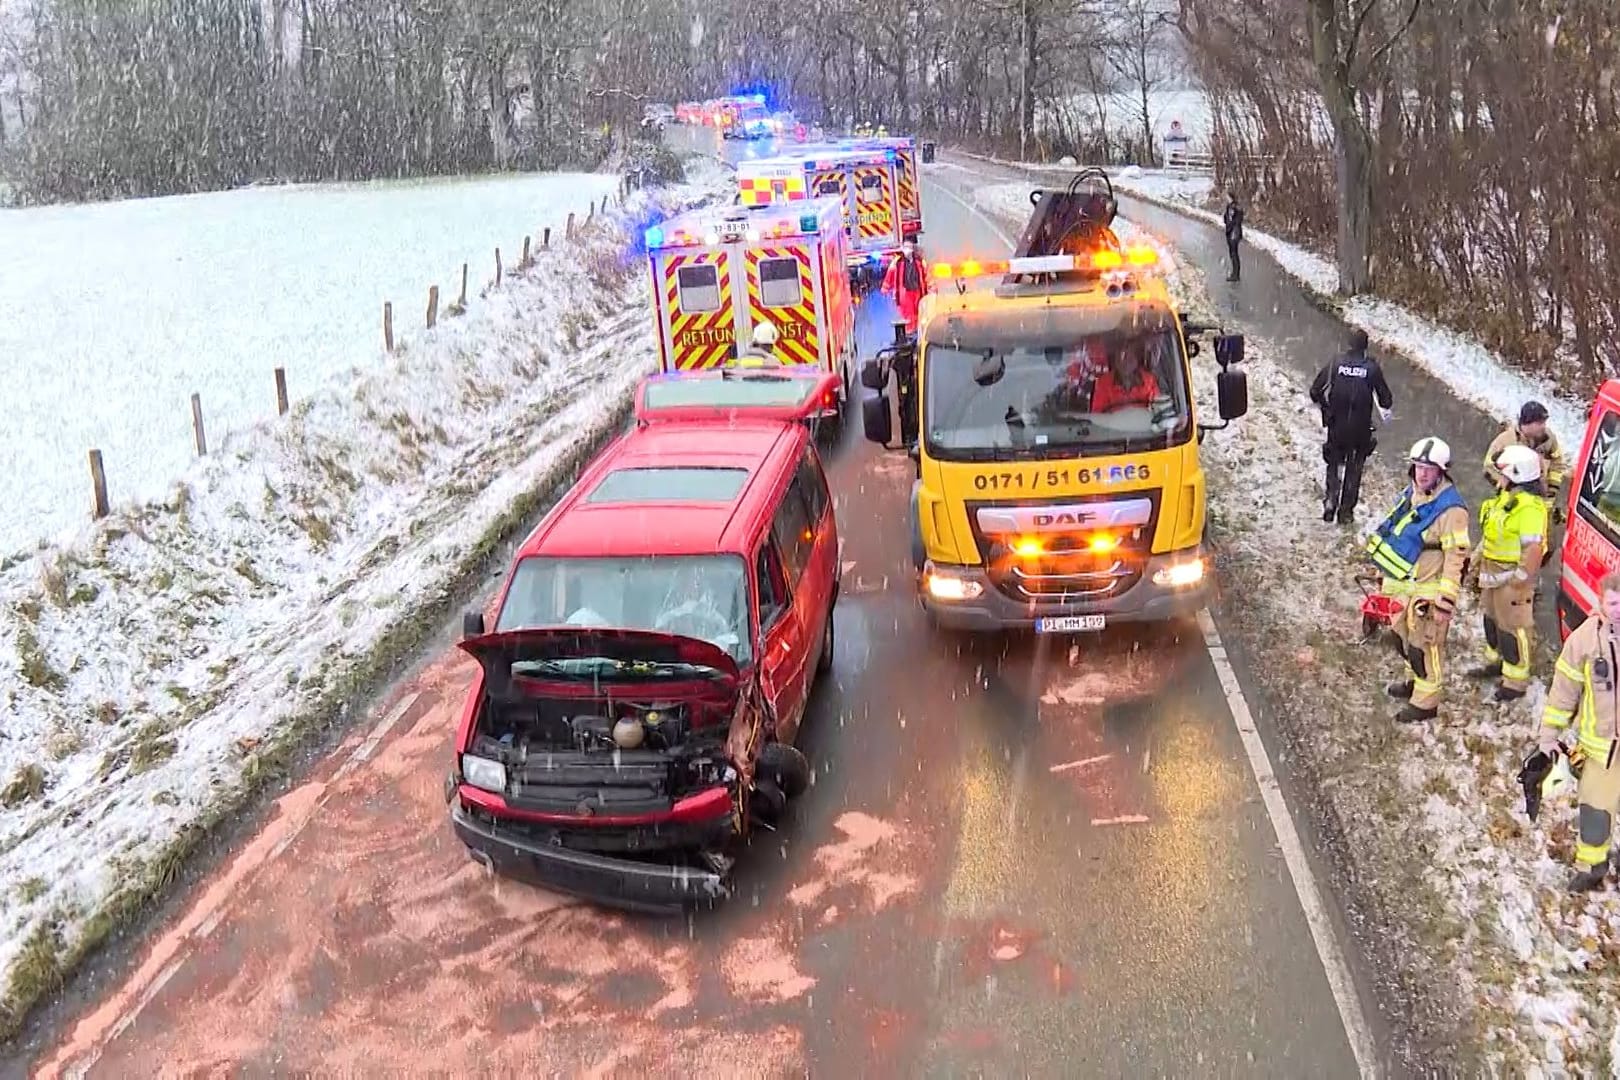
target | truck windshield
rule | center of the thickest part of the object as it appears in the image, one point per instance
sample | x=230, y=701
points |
x=698, y=596
x=1054, y=383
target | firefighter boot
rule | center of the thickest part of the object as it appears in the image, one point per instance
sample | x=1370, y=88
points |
x=1589, y=879
x=1412, y=714
x=1399, y=690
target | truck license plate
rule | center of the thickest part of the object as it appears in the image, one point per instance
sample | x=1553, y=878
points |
x=1069, y=624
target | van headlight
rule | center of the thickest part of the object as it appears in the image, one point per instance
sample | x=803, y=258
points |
x=946, y=584
x=483, y=773
x=1180, y=575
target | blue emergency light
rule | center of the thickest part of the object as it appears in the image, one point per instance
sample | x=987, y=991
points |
x=809, y=223
x=655, y=237
x=889, y=154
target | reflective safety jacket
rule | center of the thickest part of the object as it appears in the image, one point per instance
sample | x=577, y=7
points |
x=1422, y=546
x=1513, y=529
x=1584, y=689
x=1553, y=465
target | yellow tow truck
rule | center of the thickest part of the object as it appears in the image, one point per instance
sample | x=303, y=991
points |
x=1058, y=483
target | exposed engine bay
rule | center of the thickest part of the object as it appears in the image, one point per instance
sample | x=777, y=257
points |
x=529, y=724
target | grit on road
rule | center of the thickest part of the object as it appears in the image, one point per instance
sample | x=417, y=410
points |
x=1047, y=857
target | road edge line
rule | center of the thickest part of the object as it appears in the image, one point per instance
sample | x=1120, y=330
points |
x=1334, y=964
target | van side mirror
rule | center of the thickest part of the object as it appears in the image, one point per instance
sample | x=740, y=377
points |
x=472, y=624
x=875, y=419
x=873, y=375
x=1229, y=349
x=1232, y=391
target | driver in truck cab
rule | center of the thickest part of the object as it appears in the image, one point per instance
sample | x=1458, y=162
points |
x=1125, y=383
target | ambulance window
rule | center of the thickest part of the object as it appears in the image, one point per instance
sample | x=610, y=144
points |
x=699, y=288
x=830, y=186
x=779, y=282
x=1599, y=501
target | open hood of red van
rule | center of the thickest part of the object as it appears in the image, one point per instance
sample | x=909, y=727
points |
x=498, y=652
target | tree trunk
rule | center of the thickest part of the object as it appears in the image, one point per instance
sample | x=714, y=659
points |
x=1353, y=149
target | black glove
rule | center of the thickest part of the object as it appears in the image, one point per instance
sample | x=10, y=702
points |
x=1535, y=770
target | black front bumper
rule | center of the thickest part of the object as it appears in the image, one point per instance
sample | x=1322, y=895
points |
x=630, y=884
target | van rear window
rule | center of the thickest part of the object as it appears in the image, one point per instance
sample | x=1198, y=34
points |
x=672, y=484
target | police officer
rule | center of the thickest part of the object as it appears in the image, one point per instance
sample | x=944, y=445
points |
x=1513, y=527
x=1421, y=549
x=1345, y=390
x=1584, y=693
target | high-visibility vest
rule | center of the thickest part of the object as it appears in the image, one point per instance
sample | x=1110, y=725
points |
x=1505, y=520
x=1397, y=543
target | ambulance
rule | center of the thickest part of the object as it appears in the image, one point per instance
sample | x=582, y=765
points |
x=905, y=150
x=865, y=181
x=719, y=272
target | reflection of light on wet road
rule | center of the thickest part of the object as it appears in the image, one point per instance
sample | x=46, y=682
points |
x=983, y=865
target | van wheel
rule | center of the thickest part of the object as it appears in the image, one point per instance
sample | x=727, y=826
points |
x=786, y=767
x=824, y=662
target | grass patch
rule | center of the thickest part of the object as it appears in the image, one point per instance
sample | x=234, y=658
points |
x=273, y=757
x=30, y=890
x=244, y=568
x=28, y=609
x=27, y=784
x=108, y=712
x=37, y=971
x=36, y=667
x=150, y=748
x=63, y=742
x=83, y=593
x=317, y=528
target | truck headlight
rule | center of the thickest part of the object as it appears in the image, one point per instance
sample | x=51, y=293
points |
x=483, y=773
x=945, y=584
x=1180, y=575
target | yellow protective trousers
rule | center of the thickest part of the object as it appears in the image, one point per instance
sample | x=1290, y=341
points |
x=1600, y=801
x=1509, y=617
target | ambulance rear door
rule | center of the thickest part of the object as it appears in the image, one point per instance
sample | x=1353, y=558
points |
x=783, y=290
x=837, y=309
x=697, y=308
x=877, y=220
x=910, y=190
x=833, y=182
x=1591, y=545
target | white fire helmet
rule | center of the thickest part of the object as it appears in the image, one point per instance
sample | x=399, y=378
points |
x=1520, y=464
x=764, y=335
x=1430, y=451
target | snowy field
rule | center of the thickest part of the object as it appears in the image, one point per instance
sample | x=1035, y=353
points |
x=1435, y=825
x=118, y=312
x=161, y=660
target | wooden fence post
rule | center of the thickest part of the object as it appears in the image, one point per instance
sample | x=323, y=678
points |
x=98, y=485
x=545, y=238
x=388, y=325
x=570, y=233
x=197, y=425
x=497, y=268
x=433, y=306
x=462, y=302
x=523, y=264
x=281, y=391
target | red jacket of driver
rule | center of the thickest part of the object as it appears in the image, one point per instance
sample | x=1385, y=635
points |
x=907, y=280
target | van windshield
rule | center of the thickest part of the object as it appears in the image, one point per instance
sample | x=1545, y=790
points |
x=696, y=596
x=1054, y=382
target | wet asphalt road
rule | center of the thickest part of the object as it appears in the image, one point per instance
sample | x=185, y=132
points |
x=1018, y=857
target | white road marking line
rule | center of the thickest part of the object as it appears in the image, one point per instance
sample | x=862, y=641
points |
x=1299, y=869
x=1328, y=952
x=1082, y=763
x=369, y=747
x=1127, y=819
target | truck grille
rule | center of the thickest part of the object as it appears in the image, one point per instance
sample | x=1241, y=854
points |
x=1068, y=571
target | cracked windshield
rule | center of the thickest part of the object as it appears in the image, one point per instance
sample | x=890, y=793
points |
x=1018, y=538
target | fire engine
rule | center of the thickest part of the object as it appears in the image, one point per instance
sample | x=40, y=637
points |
x=865, y=181
x=1591, y=545
x=1058, y=484
x=719, y=272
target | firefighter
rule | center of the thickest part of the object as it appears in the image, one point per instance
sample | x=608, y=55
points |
x=1513, y=530
x=907, y=280
x=1422, y=549
x=761, y=349
x=1345, y=390
x=1584, y=692
x=1531, y=431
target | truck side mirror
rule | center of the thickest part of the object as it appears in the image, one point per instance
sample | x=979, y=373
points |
x=1229, y=349
x=875, y=419
x=472, y=624
x=1232, y=392
x=873, y=375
